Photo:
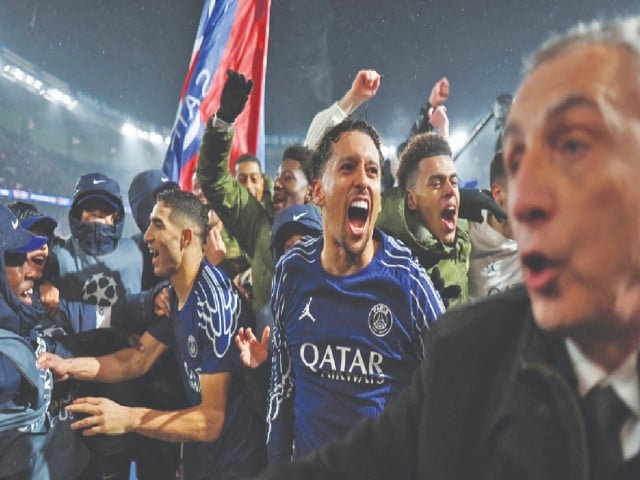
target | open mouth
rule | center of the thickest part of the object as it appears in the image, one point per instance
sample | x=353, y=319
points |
x=25, y=296
x=535, y=262
x=278, y=201
x=449, y=217
x=154, y=256
x=358, y=214
x=540, y=273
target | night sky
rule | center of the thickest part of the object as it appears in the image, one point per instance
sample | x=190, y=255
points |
x=134, y=54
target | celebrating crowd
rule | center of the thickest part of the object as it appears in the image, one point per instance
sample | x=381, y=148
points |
x=346, y=321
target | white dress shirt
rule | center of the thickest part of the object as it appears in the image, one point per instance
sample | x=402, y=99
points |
x=624, y=381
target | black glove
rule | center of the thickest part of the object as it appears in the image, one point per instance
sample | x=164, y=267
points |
x=472, y=202
x=234, y=96
x=447, y=293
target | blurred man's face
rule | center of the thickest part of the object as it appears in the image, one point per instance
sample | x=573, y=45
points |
x=291, y=186
x=20, y=276
x=571, y=148
x=249, y=175
x=436, y=197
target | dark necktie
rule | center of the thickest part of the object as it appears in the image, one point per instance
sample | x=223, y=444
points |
x=605, y=414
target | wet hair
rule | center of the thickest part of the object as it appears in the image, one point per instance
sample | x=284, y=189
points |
x=421, y=146
x=331, y=137
x=303, y=156
x=497, y=173
x=186, y=206
x=247, y=158
x=622, y=33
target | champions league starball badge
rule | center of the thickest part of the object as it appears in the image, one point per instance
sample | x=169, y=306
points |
x=380, y=320
x=100, y=290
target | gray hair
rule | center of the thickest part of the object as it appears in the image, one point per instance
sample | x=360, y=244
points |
x=624, y=32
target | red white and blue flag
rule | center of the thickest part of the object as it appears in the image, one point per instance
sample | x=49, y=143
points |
x=232, y=34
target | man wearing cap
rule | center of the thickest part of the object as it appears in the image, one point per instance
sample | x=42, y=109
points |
x=61, y=321
x=96, y=265
x=21, y=451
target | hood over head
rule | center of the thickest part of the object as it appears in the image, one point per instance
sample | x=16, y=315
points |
x=142, y=194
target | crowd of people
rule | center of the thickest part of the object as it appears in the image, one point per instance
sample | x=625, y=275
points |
x=19, y=155
x=345, y=320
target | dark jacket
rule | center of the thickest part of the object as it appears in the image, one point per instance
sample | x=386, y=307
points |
x=495, y=399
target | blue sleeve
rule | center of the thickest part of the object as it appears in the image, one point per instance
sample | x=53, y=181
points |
x=280, y=412
x=134, y=312
x=220, y=311
x=426, y=304
x=162, y=331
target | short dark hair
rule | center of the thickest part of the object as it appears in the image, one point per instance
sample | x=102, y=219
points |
x=185, y=205
x=247, y=158
x=303, y=156
x=332, y=135
x=497, y=173
x=424, y=145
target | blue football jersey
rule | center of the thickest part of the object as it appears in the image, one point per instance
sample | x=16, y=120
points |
x=202, y=337
x=343, y=346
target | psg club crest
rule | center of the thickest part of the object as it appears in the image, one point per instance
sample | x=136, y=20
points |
x=380, y=320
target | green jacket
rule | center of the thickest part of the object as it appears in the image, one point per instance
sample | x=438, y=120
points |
x=245, y=218
x=453, y=261
x=236, y=261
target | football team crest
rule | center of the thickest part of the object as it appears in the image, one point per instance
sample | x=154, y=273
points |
x=380, y=320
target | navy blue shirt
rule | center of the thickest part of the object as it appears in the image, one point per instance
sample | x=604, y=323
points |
x=344, y=346
x=202, y=336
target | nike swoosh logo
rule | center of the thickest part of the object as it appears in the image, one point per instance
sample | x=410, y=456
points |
x=15, y=223
x=96, y=182
x=299, y=216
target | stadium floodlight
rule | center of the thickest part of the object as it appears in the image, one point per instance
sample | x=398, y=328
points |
x=155, y=138
x=388, y=151
x=128, y=130
x=131, y=131
x=56, y=96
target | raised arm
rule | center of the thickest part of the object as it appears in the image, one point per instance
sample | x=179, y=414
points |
x=365, y=85
x=241, y=213
x=431, y=115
